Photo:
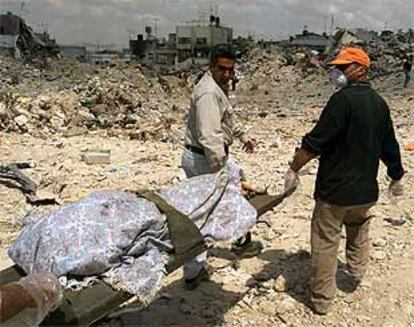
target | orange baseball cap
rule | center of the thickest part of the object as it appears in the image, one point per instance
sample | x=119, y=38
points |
x=350, y=55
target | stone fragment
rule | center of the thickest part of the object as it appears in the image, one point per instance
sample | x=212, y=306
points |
x=97, y=157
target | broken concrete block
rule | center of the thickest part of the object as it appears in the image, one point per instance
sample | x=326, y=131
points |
x=75, y=131
x=3, y=110
x=97, y=157
x=21, y=120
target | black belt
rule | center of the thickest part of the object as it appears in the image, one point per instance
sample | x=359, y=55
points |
x=200, y=151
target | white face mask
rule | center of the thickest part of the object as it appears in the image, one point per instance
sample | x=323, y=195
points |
x=338, y=78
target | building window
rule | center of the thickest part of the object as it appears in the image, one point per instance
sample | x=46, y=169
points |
x=162, y=59
x=184, y=40
x=202, y=41
x=1, y=30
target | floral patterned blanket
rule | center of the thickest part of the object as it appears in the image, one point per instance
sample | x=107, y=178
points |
x=124, y=239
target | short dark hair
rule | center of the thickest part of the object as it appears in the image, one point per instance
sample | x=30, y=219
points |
x=222, y=51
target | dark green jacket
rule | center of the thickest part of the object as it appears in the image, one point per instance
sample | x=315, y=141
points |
x=354, y=133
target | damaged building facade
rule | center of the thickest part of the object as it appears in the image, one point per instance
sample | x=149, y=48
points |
x=195, y=40
x=190, y=44
x=10, y=26
x=309, y=40
x=151, y=51
x=18, y=40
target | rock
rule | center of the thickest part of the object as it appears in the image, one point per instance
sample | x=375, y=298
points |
x=270, y=235
x=44, y=101
x=43, y=114
x=75, y=131
x=99, y=109
x=280, y=284
x=378, y=255
x=351, y=298
x=380, y=242
x=268, y=308
x=287, y=305
x=270, y=284
x=3, y=111
x=86, y=116
x=408, y=309
x=392, y=323
x=57, y=122
x=366, y=283
x=97, y=157
x=21, y=120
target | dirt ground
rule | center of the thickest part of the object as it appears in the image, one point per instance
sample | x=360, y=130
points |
x=273, y=288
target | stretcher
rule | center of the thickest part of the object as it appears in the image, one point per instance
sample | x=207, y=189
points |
x=83, y=308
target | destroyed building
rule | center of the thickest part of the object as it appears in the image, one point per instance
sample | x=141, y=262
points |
x=309, y=40
x=151, y=51
x=73, y=52
x=195, y=40
x=191, y=44
x=103, y=57
x=18, y=40
x=243, y=44
x=9, y=32
x=365, y=35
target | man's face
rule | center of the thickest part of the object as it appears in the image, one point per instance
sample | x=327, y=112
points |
x=353, y=72
x=222, y=72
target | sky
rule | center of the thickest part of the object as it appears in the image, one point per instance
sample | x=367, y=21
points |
x=116, y=21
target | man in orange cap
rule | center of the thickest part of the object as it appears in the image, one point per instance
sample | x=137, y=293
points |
x=354, y=133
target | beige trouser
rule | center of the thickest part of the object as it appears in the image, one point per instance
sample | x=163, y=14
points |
x=327, y=222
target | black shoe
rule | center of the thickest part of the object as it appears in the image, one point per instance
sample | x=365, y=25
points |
x=246, y=248
x=192, y=283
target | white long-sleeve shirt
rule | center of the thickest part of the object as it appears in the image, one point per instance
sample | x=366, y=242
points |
x=211, y=122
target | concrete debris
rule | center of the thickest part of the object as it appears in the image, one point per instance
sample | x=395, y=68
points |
x=281, y=284
x=380, y=242
x=378, y=255
x=83, y=97
x=23, y=43
x=97, y=157
x=386, y=50
x=287, y=305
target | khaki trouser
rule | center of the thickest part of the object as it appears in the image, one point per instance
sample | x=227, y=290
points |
x=327, y=222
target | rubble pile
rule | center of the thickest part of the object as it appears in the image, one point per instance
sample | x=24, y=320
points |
x=387, y=51
x=266, y=67
x=23, y=42
x=31, y=47
x=282, y=82
x=278, y=67
x=69, y=95
x=390, y=50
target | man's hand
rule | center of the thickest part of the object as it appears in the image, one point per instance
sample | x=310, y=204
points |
x=248, y=190
x=249, y=146
x=396, y=188
x=45, y=291
x=291, y=181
